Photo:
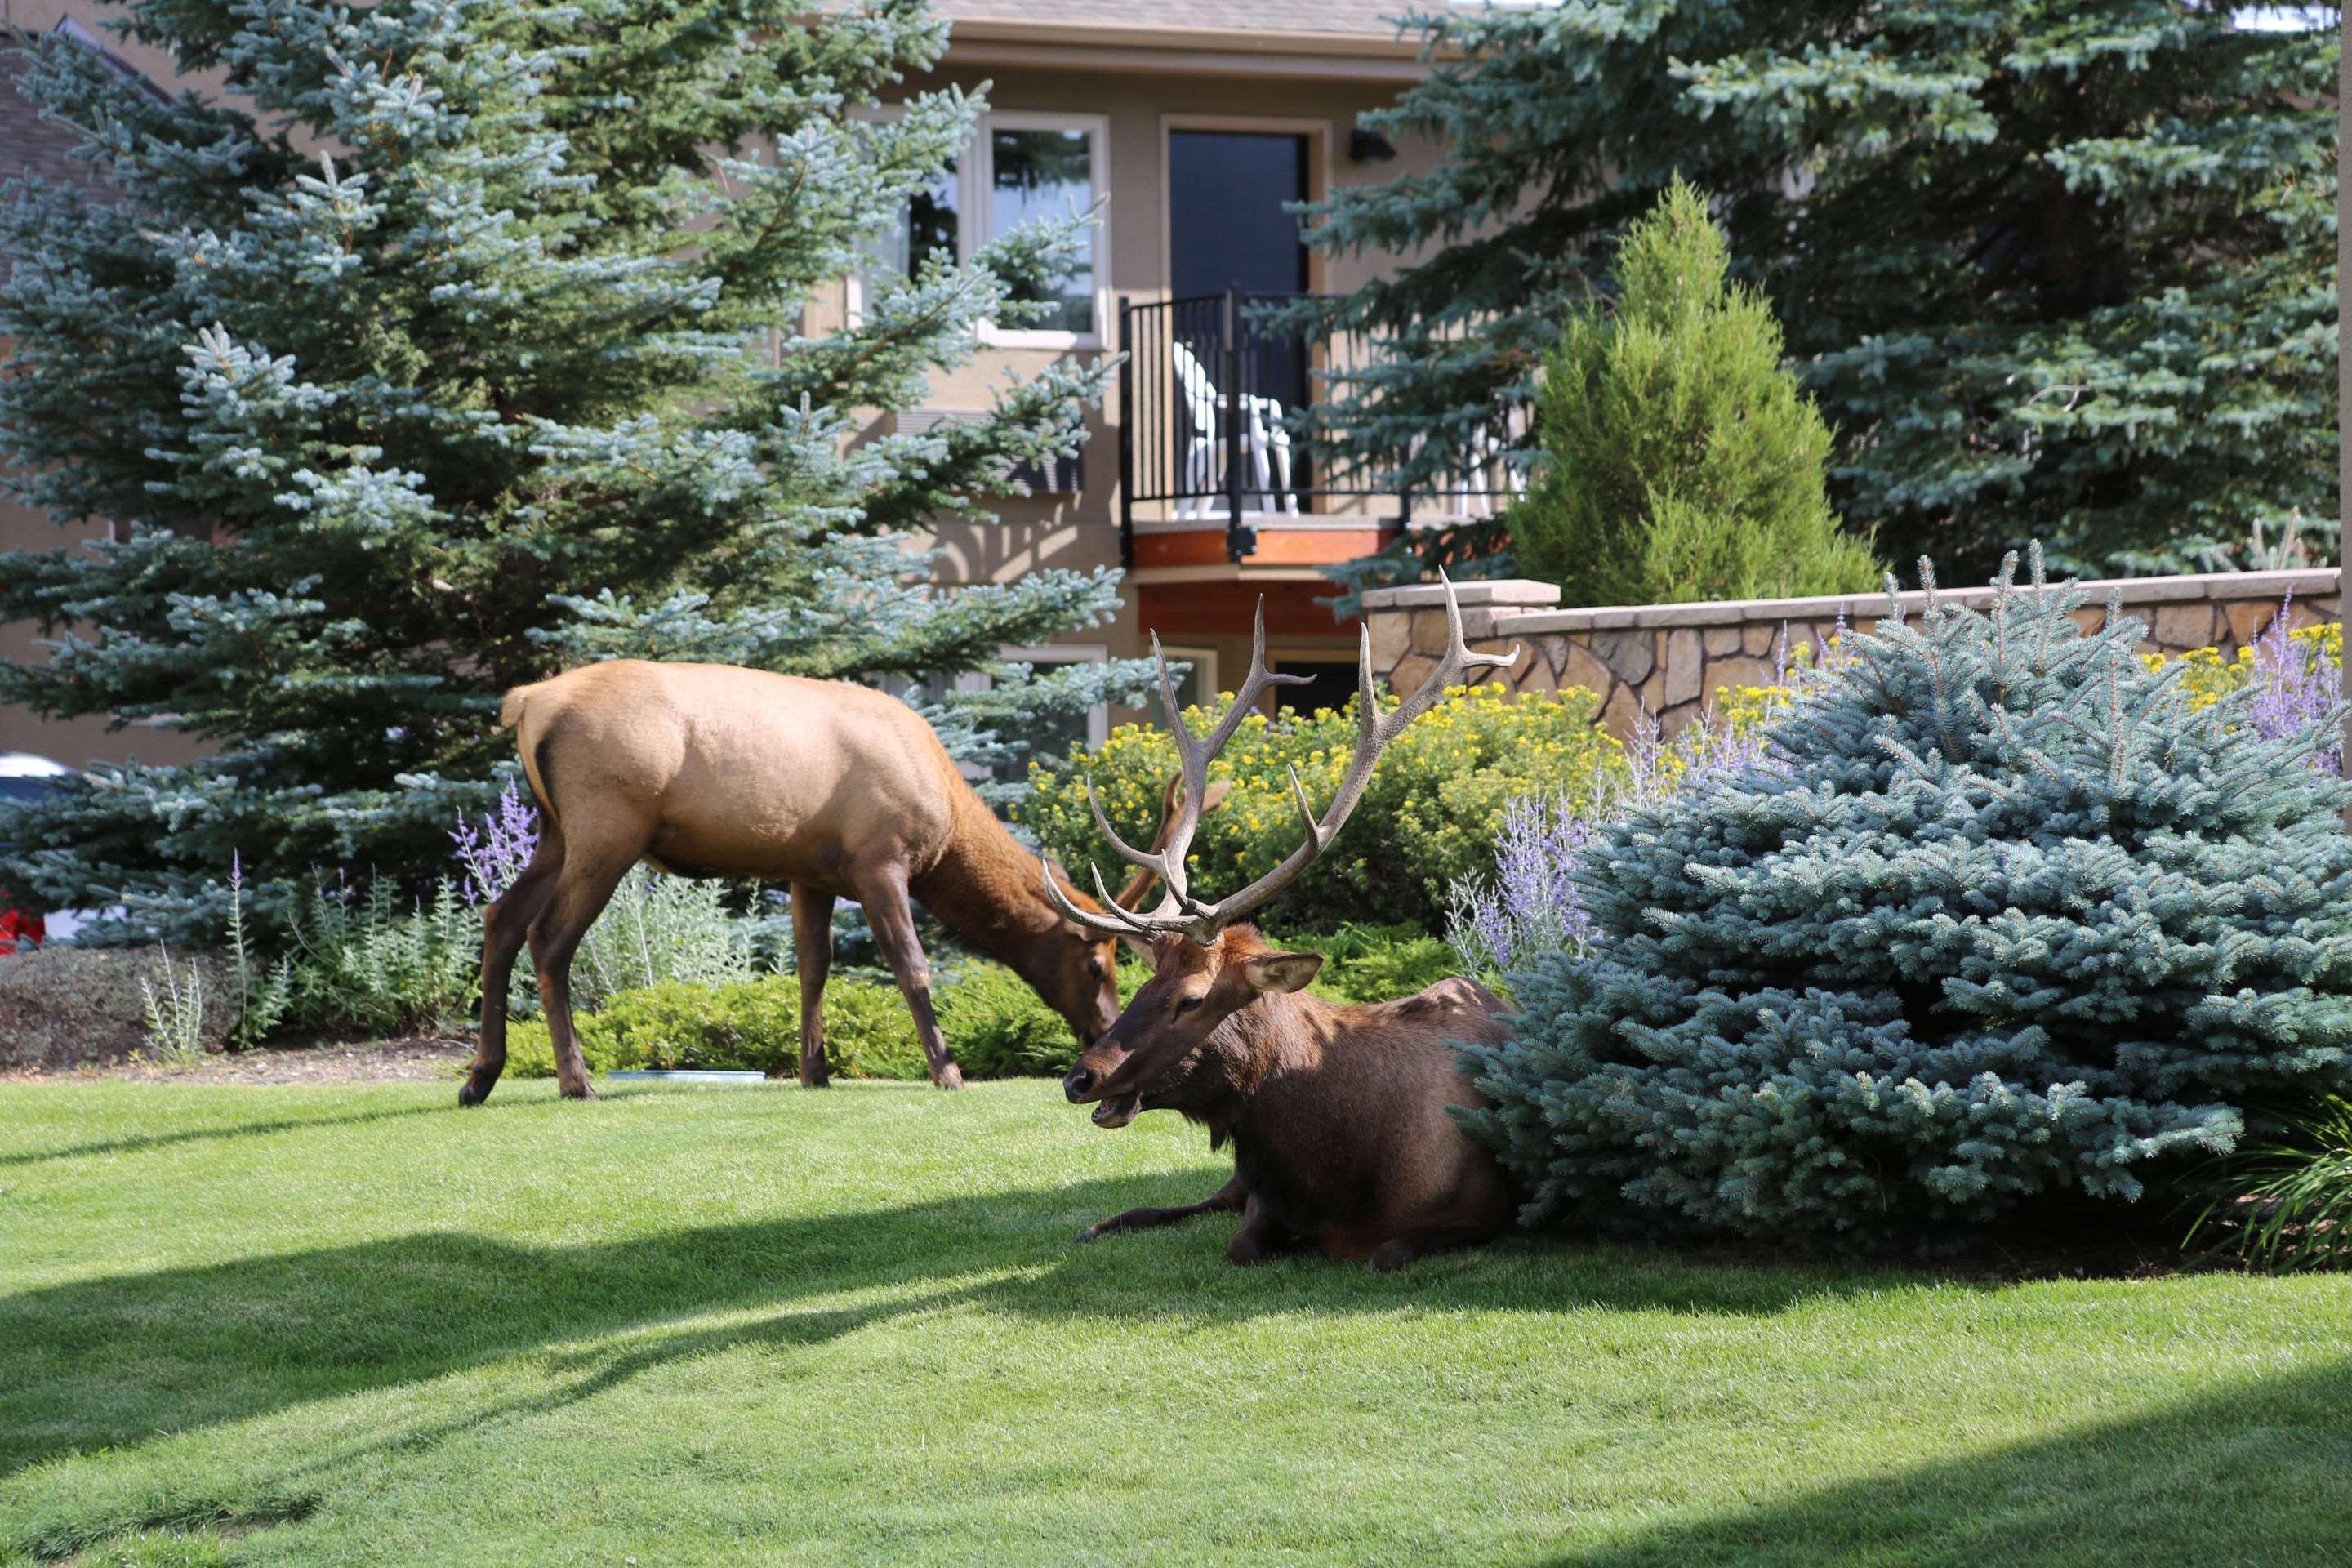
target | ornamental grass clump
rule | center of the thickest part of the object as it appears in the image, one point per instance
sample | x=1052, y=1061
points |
x=2005, y=919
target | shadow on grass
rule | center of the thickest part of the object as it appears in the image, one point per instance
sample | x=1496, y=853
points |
x=113, y=1361
x=2253, y=1475
x=141, y=1143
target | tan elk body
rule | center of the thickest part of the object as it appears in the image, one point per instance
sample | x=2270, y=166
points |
x=842, y=792
x=1339, y=1116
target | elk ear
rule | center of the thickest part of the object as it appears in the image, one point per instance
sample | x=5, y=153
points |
x=1281, y=971
x=1137, y=946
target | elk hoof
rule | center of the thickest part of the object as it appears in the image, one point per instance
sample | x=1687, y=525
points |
x=1391, y=1256
x=583, y=1092
x=1087, y=1235
x=468, y=1095
x=950, y=1077
x=816, y=1080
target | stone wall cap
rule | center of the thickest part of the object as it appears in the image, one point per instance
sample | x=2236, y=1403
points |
x=2186, y=588
x=1495, y=591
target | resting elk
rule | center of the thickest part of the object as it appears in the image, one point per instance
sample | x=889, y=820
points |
x=706, y=770
x=1336, y=1114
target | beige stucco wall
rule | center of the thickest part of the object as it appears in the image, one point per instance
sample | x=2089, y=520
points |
x=1081, y=531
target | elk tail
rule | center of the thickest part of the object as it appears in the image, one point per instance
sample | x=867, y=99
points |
x=537, y=769
x=511, y=706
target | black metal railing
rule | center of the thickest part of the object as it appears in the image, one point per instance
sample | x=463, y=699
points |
x=1212, y=412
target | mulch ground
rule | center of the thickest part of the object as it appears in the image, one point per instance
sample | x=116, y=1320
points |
x=371, y=1061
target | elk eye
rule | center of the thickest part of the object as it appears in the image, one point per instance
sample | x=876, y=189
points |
x=1186, y=1004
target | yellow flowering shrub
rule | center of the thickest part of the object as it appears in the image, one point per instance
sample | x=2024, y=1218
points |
x=2210, y=677
x=1430, y=815
x=1740, y=708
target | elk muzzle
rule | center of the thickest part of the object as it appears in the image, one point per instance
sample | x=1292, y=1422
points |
x=1089, y=1080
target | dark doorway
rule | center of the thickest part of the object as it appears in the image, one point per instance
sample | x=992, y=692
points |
x=1329, y=685
x=1226, y=227
x=1227, y=230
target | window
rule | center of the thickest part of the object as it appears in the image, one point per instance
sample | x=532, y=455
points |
x=1197, y=687
x=1091, y=727
x=1021, y=168
x=932, y=223
x=1042, y=168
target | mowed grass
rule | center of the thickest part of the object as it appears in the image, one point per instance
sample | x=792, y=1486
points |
x=680, y=1326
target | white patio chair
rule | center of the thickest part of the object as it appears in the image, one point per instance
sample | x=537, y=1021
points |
x=1264, y=439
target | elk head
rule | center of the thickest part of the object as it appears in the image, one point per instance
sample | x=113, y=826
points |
x=1188, y=1031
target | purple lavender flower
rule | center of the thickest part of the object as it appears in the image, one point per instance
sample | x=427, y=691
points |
x=494, y=854
x=2296, y=689
x=1531, y=905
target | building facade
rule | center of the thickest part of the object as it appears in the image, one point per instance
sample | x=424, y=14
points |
x=1185, y=127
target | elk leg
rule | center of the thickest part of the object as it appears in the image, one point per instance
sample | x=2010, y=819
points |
x=813, y=946
x=505, y=925
x=1399, y=1250
x=883, y=894
x=1261, y=1236
x=589, y=879
x=1226, y=1199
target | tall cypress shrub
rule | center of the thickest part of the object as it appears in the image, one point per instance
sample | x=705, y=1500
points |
x=1681, y=459
x=460, y=341
x=2007, y=920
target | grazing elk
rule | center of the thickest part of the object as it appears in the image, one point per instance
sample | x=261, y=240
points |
x=707, y=770
x=1337, y=1115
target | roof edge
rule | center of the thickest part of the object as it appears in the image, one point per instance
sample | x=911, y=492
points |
x=1385, y=45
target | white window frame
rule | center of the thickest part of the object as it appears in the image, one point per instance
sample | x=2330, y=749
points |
x=975, y=184
x=979, y=186
x=1203, y=661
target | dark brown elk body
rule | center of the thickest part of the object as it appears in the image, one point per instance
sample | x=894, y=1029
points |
x=1339, y=1116
x=841, y=791
x=1335, y=1113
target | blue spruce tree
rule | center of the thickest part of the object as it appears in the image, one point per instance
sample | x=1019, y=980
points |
x=2003, y=919
x=459, y=340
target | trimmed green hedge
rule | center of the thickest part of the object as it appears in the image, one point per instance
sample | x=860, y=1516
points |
x=752, y=1026
x=996, y=1025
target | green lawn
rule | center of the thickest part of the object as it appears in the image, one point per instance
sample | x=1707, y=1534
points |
x=682, y=1326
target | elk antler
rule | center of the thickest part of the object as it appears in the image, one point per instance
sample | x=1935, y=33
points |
x=1179, y=911
x=1131, y=895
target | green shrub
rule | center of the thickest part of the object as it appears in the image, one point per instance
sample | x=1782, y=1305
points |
x=1375, y=963
x=998, y=1027
x=752, y=1026
x=656, y=929
x=2008, y=918
x=1682, y=459
x=1428, y=819
x=61, y=1005
x=366, y=961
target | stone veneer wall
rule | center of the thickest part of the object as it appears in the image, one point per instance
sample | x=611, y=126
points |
x=1671, y=659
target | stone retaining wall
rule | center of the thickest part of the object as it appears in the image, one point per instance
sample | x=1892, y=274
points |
x=1671, y=659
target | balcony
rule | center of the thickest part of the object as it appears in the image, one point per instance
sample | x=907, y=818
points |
x=1217, y=479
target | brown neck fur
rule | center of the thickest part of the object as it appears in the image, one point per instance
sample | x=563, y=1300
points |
x=984, y=889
